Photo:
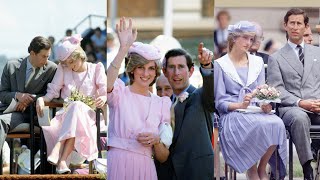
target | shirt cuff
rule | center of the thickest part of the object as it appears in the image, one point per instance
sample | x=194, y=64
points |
x=206, y=71
x=297, y=103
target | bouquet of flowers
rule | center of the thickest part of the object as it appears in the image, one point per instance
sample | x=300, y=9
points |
x=266, y=94
x=78, y=96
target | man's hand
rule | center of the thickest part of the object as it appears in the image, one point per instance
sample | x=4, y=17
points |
x=24, y=98
x=21, y=107
x=315, y=106
x=205, y=56
x=308, y=104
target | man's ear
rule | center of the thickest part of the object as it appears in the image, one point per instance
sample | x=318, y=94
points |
x=284, y=25
x=307, y=26
x=32, y=53
x=164, y=72
x=191, y=71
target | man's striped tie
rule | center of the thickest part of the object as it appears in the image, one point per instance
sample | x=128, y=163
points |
x=301, y=55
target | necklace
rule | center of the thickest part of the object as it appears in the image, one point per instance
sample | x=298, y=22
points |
x=82, y=80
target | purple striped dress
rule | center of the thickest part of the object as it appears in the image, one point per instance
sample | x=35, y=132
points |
x=245, y=137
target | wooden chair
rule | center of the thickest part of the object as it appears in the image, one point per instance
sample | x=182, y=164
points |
x=25, y=131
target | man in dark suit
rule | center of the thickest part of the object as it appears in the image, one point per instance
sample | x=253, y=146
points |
x=22, y=79
x=294, y=70
x=191, y=153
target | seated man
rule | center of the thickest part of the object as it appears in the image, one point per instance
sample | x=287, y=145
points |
x=22, y=80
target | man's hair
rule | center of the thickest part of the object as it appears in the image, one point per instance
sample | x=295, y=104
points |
x=296, y=11
x=223, y=12
x=38, y=43
x=175, y=53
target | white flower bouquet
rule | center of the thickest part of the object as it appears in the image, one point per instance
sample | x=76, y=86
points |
x=266, y=94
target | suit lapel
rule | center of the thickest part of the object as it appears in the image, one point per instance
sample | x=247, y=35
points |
x=179, y=114
x=21, y=75
x=37, y=79
x=290, y=56
x=309, y=60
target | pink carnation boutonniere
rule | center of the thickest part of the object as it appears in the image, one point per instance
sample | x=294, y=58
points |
x=183, y=96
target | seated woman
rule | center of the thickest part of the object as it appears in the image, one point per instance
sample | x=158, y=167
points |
x=246, y=138
x=136, y=115
x=73, y=127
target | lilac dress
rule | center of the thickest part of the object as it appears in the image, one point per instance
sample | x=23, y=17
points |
x=131, y=114
x=245, y=137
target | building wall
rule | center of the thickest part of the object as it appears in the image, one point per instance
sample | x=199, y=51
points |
x=190, y=17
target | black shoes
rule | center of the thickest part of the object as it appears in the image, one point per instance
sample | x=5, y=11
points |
x=314, y=153
x=307, y=171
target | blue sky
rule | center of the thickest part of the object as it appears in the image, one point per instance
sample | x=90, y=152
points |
x=21, y=20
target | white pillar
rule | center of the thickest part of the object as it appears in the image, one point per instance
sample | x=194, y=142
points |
x=113, y=13
x=168, y=13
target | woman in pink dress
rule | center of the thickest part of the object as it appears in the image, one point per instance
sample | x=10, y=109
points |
x=136, y=115
x=73, y=127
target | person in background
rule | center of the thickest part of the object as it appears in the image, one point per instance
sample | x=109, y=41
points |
x=221, y=33
x=53, y=50
x=98, y=40
x=307, y=36
x=254, y=49
x=74, y=126
x=163, y=87
x=68, y=32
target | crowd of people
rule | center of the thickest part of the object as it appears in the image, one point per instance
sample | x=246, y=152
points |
x=95, y=46
x=250, y=140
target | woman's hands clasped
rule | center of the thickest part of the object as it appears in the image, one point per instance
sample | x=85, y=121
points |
x=148, y=139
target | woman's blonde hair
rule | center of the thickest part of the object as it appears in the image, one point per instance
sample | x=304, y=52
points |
x=135, y=60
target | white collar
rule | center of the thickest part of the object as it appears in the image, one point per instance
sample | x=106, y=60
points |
x=255, y=67
x=294, y=46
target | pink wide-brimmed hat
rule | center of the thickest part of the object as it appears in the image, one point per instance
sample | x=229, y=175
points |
x=147, y=51
x=67, y=46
